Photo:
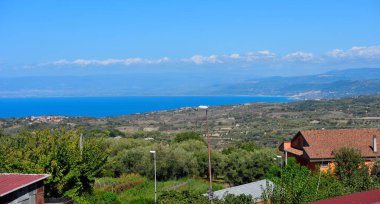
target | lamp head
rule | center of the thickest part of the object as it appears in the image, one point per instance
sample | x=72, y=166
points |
x=203, y=107
x=152, y=152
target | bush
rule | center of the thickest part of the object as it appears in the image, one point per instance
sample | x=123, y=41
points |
x=245, y=167
x=352, y=171
x=184, y=197
x=240, y=199
x=184, y=136
x=108, y=198
x=297, y=184
x=99, y=197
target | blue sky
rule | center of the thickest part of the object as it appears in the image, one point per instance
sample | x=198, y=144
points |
x=75, y=37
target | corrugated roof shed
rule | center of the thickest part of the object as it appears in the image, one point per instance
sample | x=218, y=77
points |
x=12, y=182
x=254, y=189
x=367, y=197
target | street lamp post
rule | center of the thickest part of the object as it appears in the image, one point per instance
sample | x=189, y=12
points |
x=210, y=193
x=280, y=157
x=155, y=176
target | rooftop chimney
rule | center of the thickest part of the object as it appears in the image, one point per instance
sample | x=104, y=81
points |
x=374, y=144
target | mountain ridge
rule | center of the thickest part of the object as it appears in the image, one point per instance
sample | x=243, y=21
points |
x=332, y=84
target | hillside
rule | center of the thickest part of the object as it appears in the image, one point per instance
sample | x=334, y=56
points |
x=266, y=123
x=333, y=84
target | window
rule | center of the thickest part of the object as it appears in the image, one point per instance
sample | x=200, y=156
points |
x=324, y=164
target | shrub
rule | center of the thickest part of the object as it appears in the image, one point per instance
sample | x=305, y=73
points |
x=108, y=198
x=184, y=136
x=352, y=171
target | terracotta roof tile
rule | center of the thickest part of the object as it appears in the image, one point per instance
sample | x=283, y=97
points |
x=294, y=151
x=322, y=143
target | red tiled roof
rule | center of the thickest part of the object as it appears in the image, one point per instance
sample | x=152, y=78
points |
x=294, y=151
x=13, y=182
x=285, y=146
x=322, y=143
x=367, y=197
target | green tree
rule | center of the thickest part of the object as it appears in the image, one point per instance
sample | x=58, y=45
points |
x=174, y=161
x=297, y=184
x=249, y=146
x=245, y=167
x=115, y=133
x=2, y=134
x=55, y=152
x=328, y=186
x=184, y=136
x=352, y=171
x=375, y=172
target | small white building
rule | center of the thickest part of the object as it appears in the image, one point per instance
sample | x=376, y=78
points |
x=255, y=189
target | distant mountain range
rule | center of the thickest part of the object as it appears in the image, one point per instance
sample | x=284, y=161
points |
x=333, y=84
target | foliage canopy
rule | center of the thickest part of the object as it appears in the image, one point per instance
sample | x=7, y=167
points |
x=55, y=152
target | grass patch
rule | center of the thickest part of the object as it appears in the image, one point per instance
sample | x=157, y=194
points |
x=133, y=188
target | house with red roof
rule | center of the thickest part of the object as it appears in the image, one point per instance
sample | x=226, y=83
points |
x=315, y=148
x=22, y=188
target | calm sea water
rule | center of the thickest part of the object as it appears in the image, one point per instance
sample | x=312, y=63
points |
x=114, y=106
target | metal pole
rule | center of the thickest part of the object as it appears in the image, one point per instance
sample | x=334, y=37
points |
x=209, y=159
x=81, y=143
x=319, y=178
x=155, y=175
x=286, y=158
x=281, y=160
x=155, y=179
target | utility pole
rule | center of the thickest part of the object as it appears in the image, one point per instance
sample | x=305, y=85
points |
x=286, y=157
x=155, y=176
x=81, y=143
x=210, y=192
x=280, y=157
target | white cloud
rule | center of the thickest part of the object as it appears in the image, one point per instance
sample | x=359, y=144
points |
x=259, y=55
x=234, y=56
x=299, y=56
x=126, y=61
x=367, y=52
x=336, y=53
x=266, y=53
x=199, y=59
x=264, y=56
x=162, y=60
x=60, y=62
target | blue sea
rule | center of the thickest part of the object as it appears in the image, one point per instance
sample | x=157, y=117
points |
x=115, y=106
